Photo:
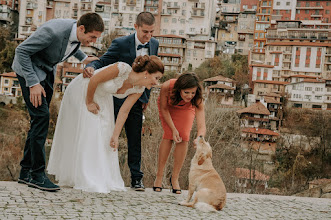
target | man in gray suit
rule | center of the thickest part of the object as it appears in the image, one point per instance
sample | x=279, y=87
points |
x=35, y=64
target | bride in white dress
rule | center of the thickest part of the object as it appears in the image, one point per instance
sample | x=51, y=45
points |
x=84, y=152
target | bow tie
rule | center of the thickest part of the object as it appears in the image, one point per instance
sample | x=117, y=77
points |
x=143, y=46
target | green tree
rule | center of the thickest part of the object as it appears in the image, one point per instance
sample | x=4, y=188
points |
x=7, y=56
x=106, y=41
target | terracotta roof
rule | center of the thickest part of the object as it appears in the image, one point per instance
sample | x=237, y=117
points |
x=104, y=3
x=304, y=76
x=10, y=74
x=169, y=35
x=221, y=86
x=314, y=80
x=271, y=100
x=244, y=173
x=271, y=82
x=272, y=94
x=320, y=181
x=168, y=55
x=257, y=108
x=260, y=131
x=262, y=65
x=293, y=43
x=218, y=78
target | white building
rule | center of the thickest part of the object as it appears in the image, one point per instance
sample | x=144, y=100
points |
x=306, y=92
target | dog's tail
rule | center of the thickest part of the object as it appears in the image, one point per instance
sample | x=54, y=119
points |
x=204, y=207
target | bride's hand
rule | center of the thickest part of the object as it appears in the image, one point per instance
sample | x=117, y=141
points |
x=93, y=107
x=114, y=143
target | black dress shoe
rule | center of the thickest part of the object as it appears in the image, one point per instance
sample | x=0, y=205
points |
x=137, y=185
x=24, y=177
x=42, y=182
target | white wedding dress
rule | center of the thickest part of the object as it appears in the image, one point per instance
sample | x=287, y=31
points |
x=81, y=156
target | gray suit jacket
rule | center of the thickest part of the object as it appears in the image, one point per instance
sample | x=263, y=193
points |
x=38, y=55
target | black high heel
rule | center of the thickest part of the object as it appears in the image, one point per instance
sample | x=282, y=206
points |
x=156, y=187
x=176, y=191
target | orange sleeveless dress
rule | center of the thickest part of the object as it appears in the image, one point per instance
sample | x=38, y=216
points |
x=182, y=115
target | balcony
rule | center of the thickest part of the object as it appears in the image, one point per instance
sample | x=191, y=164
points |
x=99, y=8
x=130, y=2
x=198, y=8
x=201, y=15
x=310, y=7
x=173, y=6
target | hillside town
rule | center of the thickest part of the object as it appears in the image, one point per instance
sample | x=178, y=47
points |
x=287, y=44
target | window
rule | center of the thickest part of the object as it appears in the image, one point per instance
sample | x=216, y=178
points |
x=174, y=20
x=307, y=11
x=307, y=96
x=308, y=88
x=277, y=3
x=288, y=3
x=318, y=3
x=318, y=97
x=6, y=81
x=181, y=32
x=166, y=20
x=173, y=31
x=327, y=11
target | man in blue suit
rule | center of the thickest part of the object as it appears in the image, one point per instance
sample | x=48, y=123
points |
x=35, y=64
x=126, y=49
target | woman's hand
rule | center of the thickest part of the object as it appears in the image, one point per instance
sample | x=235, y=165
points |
x=176, y=137
x=114, y=143
x=93, y=107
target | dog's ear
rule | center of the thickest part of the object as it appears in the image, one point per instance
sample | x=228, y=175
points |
x=201, y=159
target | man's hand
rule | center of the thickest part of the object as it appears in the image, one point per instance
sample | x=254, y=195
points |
x=88, y=72
x=90, y=59
x=35, y=95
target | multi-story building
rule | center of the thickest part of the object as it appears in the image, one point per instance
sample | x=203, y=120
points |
x=172, y=51
x=9, y=15
x=9, y=84
x=227, y=30
x=246, y=23
x=221, y=87
x=197, y=52
x=291, y=50
x=155, y=7
x=308, y=92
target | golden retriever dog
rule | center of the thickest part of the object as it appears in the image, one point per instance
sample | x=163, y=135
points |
x=203, y=178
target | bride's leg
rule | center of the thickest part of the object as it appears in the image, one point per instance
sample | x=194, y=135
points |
x=164, y=151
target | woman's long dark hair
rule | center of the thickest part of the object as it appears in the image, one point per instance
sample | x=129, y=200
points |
x=186, y=81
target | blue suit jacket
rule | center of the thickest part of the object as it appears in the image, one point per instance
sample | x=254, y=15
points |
x=124, y=49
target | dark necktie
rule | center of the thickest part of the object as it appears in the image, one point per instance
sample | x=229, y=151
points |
x=143, y=46
x=75, y=42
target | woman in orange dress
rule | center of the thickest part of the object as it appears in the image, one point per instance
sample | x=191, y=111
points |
x=180, y=101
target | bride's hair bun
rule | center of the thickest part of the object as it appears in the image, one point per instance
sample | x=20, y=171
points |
x=139, y=63
x=150, y=63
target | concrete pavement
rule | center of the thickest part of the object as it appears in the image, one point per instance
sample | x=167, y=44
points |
x=18, y=201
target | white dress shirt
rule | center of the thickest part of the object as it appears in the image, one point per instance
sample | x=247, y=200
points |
x=70, y=46
x=142, y=51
